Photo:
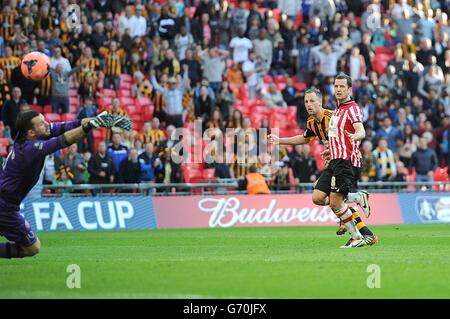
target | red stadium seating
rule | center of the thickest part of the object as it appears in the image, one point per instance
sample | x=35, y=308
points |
x=126, y=78
x=47, y=109
x=143, y=101
x=108, y=93
x=3, y=150
x=52, y=117
x=68, y=117
x=37, y=108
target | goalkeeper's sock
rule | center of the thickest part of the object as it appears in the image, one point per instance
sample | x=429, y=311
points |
x=345, y=214
x=353, y=198
x=363, y=229
x=10, y=250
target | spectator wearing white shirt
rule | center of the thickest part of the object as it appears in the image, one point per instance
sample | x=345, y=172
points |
x=139, y=24
x=263, y=47
x=127, y=21
x=240, y=45
x=59, y=59
x=328, y=59
x=183, y=41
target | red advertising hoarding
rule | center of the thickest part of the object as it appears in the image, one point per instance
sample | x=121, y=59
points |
x=261, y=210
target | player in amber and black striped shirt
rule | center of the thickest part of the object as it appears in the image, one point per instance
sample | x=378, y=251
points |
x=317, y=125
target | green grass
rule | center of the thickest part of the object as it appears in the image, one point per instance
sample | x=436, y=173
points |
x=289, y=262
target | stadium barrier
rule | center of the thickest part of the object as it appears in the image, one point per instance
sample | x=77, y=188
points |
x=222, y=211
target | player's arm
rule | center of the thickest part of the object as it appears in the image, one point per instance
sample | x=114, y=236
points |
x=294, y=140
x=360, y=132
x=59, y=128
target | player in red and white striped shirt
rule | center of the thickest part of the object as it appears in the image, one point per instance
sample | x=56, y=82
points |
x=345, y=133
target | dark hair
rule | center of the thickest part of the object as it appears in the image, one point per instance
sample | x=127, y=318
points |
x=24, y=123
x=345, y=77
x=315, y=91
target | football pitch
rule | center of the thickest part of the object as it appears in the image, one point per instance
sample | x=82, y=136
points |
x=410, y=261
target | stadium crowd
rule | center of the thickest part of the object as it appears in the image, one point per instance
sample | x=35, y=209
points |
x=233, y=64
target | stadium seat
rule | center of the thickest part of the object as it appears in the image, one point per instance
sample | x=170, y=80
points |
x=36, y=108
x=125, y=86
x=143, y=101
x=5, y=141
x=300, y=86
x=126, y=78
x=66, y=117
x=47, y=109
x=108, y=93
x=73, y=109
x=124, y=93
x=124, y=101
x=267, y=79
x=52, y=117
x=208, y=173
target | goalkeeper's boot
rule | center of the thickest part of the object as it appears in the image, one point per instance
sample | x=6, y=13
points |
x=364, y=204
x=354, y=243
x=370, y=239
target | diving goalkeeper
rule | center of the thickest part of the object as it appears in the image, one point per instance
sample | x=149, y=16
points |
x=20, y=171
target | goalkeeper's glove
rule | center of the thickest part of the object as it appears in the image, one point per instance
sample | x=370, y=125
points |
x=108, y=121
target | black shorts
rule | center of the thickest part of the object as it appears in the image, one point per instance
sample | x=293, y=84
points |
x=339, y=177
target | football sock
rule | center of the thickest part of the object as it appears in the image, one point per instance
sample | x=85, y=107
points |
x=353, y=198
x=10, y=250
x=363, y=229
x=345, y=214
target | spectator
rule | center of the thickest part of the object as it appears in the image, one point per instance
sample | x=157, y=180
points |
x=126, y=21
x=8, y=62
x=11, y=109
x=114, y=59
x=100, y=167
x=87, y=110
x=52, y=164
x=254, y=182
x=170, y=65
x=183, y=41
x=424, y=161
x=150, y=163
x=239, y=18
x=303, y=164
x=249, y=69
x=60, y=87
x=368, y=170
x=263, y=47
x=305, y=61
x=194, y=67
x=173, y=95
x=115, y=110
x=157, y=136
x=225, y=100
x=388, y=79
x=290, y=94
x=63, y=177
x=280, y=59
x=74, y=161
x=5, y=91
x=57, y=58
x=390, y=133
x=138, y=27
x=328, y=59
x=117, y=152
x=171, y=171
x=273, y=97
x=213, y=64
x=240, y=46
x=203, y=105
x=356, y=64
x=130, y=169
x=384, y=161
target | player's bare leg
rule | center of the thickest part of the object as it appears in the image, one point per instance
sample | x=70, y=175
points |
x=320, y=198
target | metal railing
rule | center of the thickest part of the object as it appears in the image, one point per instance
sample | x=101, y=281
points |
x=223, y=186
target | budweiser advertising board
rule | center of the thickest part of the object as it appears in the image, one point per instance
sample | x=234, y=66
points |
x=260, y=210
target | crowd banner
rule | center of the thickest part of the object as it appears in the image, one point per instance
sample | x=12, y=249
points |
x=89, y=213
x=425, y=208
x=261, y=210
